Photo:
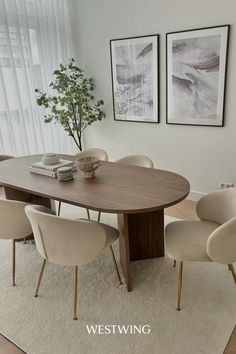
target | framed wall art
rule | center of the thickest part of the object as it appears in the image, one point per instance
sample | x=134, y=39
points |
x=135, y=77
x=196, y=75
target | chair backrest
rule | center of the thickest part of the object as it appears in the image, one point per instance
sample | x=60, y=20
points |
x=137, y=160
x=219, y=206
x=221, y=245
x=93, y=152
x=5, y=157
x=14, y=224
x=64, y=241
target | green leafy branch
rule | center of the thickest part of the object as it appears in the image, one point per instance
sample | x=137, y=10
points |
x=73, y=106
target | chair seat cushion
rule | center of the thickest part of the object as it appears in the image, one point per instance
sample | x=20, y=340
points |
x=112, y=234
x=187, y=240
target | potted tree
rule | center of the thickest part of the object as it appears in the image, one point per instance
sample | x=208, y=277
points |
x=73, y=105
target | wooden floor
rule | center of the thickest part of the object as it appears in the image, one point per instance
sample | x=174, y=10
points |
x=231, y=346
x=183, y=210
x=7, y=347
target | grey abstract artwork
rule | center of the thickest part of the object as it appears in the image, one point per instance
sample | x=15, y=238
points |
x=134, y=76
x=196, y=66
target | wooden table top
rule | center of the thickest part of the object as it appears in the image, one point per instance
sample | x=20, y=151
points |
x=117, y=188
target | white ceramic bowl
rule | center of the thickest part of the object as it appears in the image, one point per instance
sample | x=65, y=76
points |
x=50, y=159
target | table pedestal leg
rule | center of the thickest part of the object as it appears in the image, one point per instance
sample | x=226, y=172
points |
x=141, y=237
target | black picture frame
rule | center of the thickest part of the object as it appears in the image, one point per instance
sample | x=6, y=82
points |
x=156, y=103
x=223, y=74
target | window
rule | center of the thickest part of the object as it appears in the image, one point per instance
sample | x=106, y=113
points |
x=34, y=38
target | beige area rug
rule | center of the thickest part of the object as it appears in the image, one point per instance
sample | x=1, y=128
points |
x=44, y=325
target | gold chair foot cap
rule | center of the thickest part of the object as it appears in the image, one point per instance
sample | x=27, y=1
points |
x=178, y=309
x=35, y=295
x=75, y=318
x=13, y=284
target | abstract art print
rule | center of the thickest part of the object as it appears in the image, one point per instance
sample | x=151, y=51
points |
x=134, y=66
x=196, y=73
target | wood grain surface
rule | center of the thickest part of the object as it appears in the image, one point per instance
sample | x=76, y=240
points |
x=117, y=188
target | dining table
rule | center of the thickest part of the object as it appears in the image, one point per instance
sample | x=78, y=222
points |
x=137, y=195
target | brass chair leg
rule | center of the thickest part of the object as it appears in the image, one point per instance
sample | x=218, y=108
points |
x=59, y=209
x=174, y=265
x=88, y=214
x=180, y=282
x=75, y=292
x=40, y=277
x=115, y=264
x=99, y=216
x=231, y=267
x=13, y=262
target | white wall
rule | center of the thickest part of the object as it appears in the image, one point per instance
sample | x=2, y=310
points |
x=205, y=155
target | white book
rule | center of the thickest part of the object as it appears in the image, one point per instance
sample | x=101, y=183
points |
x=43, y=172
x=52, y=168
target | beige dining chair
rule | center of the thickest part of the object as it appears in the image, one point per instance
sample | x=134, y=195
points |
x=212, y=238
x=14, y=225
x=137, y=160
x=5, y=157
x=93, y=152
x=69, y=242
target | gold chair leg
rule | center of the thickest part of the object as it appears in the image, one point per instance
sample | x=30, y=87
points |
x=231, y=267
x=13, y=262
x=40, y=277
x=180, y=282
x=174, y=265
x=75, y=292
x=99, y=216
x=59, y=209
x=88, y=214
x=115, y=264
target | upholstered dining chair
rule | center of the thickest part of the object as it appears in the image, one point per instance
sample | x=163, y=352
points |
x=136, y=160
x=14, y=225
x=5, y=157
x=69, y=242
x=212, y=238
x=93, y=152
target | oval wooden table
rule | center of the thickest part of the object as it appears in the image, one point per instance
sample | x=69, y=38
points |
x=137, y=195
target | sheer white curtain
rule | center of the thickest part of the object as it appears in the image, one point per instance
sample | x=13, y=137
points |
x=35, y=36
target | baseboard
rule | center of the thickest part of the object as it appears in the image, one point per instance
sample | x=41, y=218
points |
x=193, y=195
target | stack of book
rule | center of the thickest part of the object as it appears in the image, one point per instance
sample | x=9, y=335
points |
x=50, y=170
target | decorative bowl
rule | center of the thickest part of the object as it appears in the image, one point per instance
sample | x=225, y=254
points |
x=88, y=165
x=50, y=159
